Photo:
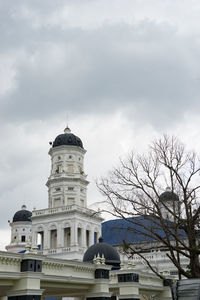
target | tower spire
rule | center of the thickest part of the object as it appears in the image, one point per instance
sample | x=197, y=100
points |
x=67, y=130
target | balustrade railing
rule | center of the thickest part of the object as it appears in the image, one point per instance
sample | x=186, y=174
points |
x=55, y=210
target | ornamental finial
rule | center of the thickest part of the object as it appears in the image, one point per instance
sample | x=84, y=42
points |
x=67, y=130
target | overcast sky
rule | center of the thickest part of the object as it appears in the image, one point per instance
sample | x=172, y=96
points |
x=120, y=72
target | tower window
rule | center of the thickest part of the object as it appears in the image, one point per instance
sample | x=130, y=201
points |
x=70, y=157
x=23, y=238
x=57, y=189
x=70, y=188
x=58, y=169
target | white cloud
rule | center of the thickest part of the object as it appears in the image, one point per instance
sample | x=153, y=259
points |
x=7, y=74
x=5, y=239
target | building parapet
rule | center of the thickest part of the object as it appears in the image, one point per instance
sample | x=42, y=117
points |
x=68, y=208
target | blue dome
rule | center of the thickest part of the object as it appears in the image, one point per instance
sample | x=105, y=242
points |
x=168, y=195
x=22, y=215
x=67, y=139
x=102, y=249
x=120, y=231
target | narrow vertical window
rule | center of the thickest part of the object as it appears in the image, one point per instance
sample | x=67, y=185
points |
x=67, y=235
x=53, y=239
x=40, y=240
x=79, y=236
x=23, y=238
x=87, y=238
x=95, y=237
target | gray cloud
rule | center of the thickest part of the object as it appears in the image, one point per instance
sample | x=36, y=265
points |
x=143, y=66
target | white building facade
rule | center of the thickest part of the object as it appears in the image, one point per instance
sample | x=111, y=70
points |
x=67, y=227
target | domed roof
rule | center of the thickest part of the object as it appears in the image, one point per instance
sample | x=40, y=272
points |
x=134, y=230
x=102, y=249
x=67, y=138
x=168, y=195
x=22, y=215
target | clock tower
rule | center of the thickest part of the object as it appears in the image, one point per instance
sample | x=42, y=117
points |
x=67, y=227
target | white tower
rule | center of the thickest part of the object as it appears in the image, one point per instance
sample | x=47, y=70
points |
x=67, y=182
x=67, y=227
x=169, y=204
x=21, y=232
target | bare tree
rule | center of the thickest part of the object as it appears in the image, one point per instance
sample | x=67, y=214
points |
x=134, y=187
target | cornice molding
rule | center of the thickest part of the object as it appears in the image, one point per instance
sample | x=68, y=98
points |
x=10, y=261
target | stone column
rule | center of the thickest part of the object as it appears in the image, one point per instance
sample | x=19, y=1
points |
x=27, y=287
x=34, y=238
x=128, y=291
x=100, y=291
x=84, y=247
x=91, y=237
x=128, y=286
x=48, y=238
x=74, y=235
x=60, y=236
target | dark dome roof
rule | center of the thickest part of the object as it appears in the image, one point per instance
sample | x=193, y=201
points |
x=22, y=215
x=110, y=254
x=168, y=195
x=68, y=139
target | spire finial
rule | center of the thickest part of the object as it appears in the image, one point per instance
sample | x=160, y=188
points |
x=28, y=247
x=67, y=130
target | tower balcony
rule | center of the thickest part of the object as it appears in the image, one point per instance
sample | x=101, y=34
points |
x=68, y=208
